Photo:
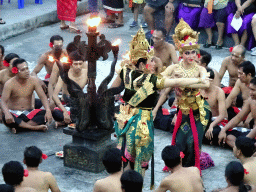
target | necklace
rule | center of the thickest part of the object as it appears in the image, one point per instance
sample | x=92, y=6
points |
x=188, y=72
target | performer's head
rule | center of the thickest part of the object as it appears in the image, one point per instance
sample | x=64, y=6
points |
x=1, y=52
x=171, y=156
x=9, y=59
x=20, y=68
x=234, y=173
x=205, y=58
x=246, y=71
x=238, y=54
x=186, y=41
x=131, y=181
x=32, y=156
x=57, y=44
x=252, y=88
x=158, y=36
x=77, y=61
x=13, y=173
x=244, y=146
x=112, y=160
x=155, y=65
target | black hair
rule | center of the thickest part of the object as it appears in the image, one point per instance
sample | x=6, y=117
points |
x=112, y=160
x=6, y=188
x=18, y=61
x=2, y=49
x=10, y=56
x=235, y=174
x=13, y=173
x=71, y=47
x=131, y=181
x=32, y=156
x=253, y=81
x=143, y=60
x=246, y=145
x=55, y=38
x=75, y=56
x=171, y=156
x=163, y=30
x=206, y=57
x=248, y=67
x=209, y=70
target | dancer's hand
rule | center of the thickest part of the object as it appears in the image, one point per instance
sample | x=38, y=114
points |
x=67, y=118
x=205, y=78
x=222, y=137
x=208, y=133
x=48, y=116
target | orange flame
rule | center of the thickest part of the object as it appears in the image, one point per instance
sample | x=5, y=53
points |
x=117, y=42
x=93, y=22
x=64, y=60
x=50, y=58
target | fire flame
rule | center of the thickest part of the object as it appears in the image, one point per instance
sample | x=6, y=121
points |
x=117, y=42
x=64, y=60
x=93, y=22
x=50, y=58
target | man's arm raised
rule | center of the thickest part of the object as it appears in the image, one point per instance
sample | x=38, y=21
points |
x=5, y=96
x=223, y=68
x=43, y=98
x=235, y=91
x=235, y=121
x=52, y=82
x=40, y=65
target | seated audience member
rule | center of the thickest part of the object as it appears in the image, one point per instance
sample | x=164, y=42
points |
x=181, y=178
x=254, y=31
x=231, y=64
x=131, y=181
x=244, y=9
x=6, y=188
x=164, y=50
x=249, y=106
x=1, y=57
x=136, y=5
x=204, y=60
x=113, y=163
x=39, y=180
x=17, y=101
x=75, y=73
x=152, y=6
x=13, y=174
x=211, y=15
x=234, y=175
x=215, y=96
x=243, y=150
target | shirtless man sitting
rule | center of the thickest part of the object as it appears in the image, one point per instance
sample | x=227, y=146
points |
x=181, y=178
x=39, y=180
x=215, y=96
x=204, y=61
x=13, y=174
x=113, y=163
x=131, y=181
x=249, y=106
x=243, y=150
x=231, y=63
x=17, y=100
x=77, y=74
x=163, y=50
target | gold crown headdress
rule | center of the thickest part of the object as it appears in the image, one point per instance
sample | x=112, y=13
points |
x=185, y=38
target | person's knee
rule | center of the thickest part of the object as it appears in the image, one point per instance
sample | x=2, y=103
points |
x=148, y=10
x=169, y=13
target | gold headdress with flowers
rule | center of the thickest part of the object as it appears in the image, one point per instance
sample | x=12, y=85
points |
x=185, y=38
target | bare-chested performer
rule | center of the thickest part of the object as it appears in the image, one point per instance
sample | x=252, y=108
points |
x=131, y=181
x=204, y=61
x=163, y=50
x=231, y=63
x=215, y=96
x=113, y=163
x=243, y=150
x=39, y=180
x=76, y=73
x=181, y=179
x=248, y=107
x=13, y=174
x=1, y=57
x=17, y=100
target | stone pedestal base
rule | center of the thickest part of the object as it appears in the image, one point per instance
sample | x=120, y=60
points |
x=86, y=150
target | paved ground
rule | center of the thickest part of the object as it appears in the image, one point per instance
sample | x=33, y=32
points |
x=29, y=46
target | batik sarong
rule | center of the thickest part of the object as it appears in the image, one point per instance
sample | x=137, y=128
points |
x=66, y=10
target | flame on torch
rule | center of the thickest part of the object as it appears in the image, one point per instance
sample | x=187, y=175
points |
x=64, y=60
x=51, y=58
x=93, y=22
x=117, y=42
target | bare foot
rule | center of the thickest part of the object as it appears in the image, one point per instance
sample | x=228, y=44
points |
x=59, y=124
x=43, y=128
x=14, y=131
